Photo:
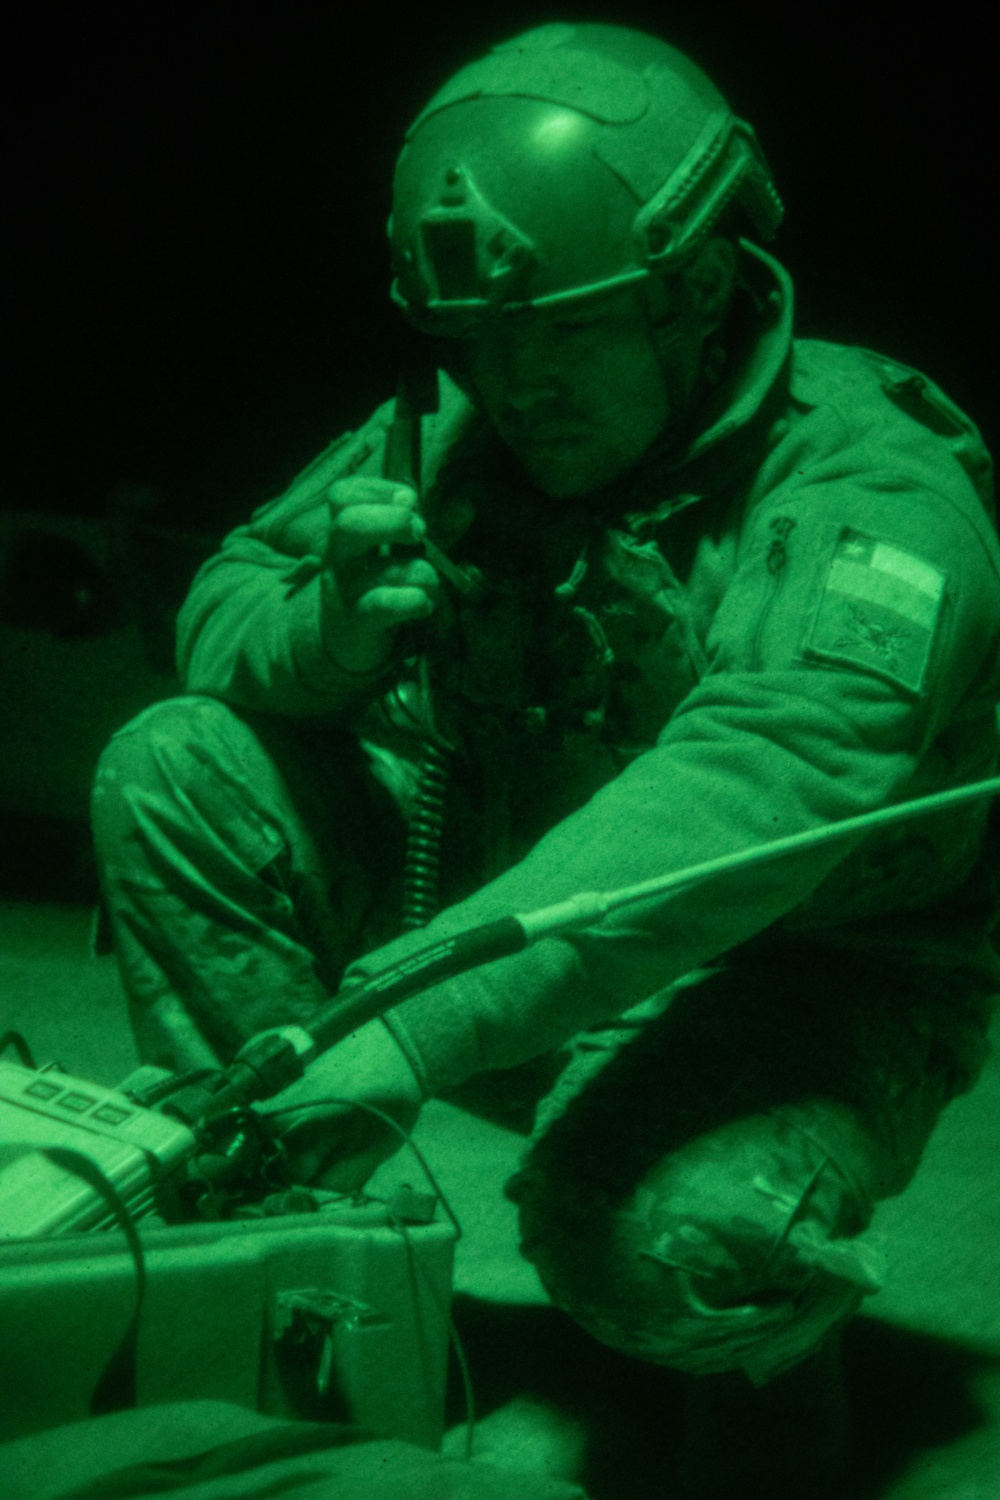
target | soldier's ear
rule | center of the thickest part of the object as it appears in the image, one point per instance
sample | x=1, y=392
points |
x=711, y=280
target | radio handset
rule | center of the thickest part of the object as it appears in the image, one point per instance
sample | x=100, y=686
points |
x=417, y=395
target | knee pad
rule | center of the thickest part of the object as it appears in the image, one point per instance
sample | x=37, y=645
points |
x=740, y=1250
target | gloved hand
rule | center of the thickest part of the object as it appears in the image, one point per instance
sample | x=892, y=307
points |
x=336, y=1146
x=375, y=577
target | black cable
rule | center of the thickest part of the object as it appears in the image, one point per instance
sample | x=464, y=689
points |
x=407, y=1138
x=438, y=961
x=115, y=1389
x=422, y=864
x=456, y=1342
x=386, y=1119
x=116, y=1386
x=16, y=1040
x=422, y=869
x=157, y=1092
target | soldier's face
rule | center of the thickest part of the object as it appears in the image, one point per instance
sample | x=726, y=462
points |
x=578, y=395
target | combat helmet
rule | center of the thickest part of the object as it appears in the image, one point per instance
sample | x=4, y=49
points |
x=569, y=162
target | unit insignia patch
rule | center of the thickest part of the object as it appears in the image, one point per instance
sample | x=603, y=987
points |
x=879, y=610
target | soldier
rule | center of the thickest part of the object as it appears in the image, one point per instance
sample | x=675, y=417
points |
x=668, y=583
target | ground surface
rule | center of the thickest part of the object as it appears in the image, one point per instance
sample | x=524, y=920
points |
x=923, y=1361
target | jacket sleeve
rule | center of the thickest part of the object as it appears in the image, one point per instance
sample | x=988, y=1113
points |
x=777, y=738
x=252, y=628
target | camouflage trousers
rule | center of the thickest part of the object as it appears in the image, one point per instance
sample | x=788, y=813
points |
x=701, y=1174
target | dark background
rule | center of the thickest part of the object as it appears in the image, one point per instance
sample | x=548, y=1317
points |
x=198, y=297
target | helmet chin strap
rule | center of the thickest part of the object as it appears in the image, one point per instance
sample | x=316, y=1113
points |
x=668, y=328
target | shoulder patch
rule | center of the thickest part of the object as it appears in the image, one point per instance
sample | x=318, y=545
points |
x=879, y=610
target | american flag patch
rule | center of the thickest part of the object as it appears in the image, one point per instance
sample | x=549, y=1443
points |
x=879, y=610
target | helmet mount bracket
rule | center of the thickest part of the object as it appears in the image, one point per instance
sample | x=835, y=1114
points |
x=464, y=242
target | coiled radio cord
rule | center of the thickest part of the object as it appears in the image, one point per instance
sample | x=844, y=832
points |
x=422, y=870
x=422, y=866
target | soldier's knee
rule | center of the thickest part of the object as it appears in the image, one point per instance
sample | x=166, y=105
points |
x=163, y=731
x=163, y=753
x=738, y=1251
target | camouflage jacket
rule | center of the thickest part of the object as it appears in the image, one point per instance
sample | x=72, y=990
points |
x=793, y=620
